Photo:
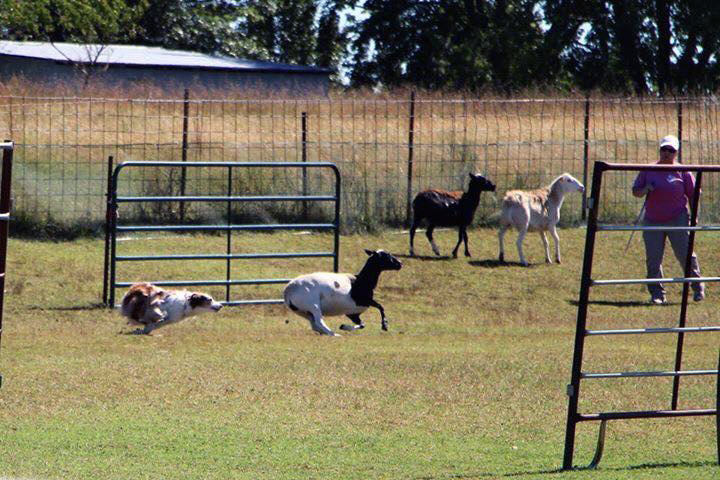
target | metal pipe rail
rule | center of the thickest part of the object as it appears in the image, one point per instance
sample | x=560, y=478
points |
x=220, y=198
x=581, y=332
x=208, y=228
x=585, y=417
x=649, y=374
x=221, y=256
x=635, y=281
x=205, y=283
x=631, y=331
x=654, y=228
x=114, y=200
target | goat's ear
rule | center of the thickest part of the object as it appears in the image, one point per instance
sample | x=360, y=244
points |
x=369, y=252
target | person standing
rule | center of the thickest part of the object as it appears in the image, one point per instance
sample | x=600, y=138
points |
x=666, y=204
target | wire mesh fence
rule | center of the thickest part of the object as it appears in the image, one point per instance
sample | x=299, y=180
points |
x=387, y=149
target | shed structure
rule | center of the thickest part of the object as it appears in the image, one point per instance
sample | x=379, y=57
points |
x=125, y=65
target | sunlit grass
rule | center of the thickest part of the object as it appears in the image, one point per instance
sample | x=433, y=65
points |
x=469, y=382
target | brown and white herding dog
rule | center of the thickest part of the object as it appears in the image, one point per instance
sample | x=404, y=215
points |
x=151, y=306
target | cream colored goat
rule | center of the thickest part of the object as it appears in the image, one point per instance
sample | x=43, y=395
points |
x=536, y=211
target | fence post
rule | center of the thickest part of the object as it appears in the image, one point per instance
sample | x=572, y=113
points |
x=108, y=212
x=411, y=135
x=228, y=249
x=10, y=111
x=304, y=159
x=5, y=204
x=585, y=156
x=680, y=129
x=183, y=171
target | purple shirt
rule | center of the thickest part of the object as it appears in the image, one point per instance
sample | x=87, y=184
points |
x=670, y=196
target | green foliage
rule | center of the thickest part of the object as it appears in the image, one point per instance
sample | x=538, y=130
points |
x=199, y=25
x=100, y=21
x=665, y=47
x=455, y=44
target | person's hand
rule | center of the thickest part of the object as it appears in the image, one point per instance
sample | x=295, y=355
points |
x=649, y=188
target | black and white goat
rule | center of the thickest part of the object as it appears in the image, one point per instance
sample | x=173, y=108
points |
x=448, y=209
x=320, y=294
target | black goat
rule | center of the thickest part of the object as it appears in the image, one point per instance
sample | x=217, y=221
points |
x=448, y=209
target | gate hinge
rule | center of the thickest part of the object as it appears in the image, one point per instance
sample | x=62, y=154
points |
x=590, y=203
x=570, y=390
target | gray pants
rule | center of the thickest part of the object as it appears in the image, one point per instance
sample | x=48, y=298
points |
x=655, y=248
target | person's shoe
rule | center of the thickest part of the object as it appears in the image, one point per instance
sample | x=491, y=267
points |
x=699, y=296
x=657, y=300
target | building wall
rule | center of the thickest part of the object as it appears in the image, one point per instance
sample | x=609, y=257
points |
x=167, y=78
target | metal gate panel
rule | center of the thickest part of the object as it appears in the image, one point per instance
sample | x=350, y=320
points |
x=114, y=201
x=581, y=332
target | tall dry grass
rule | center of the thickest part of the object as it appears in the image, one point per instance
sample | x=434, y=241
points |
x=64, y=136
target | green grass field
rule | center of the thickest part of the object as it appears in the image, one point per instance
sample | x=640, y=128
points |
x=469, y=382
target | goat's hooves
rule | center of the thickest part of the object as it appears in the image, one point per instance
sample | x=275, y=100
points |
x=351, y=328
x=558, y=261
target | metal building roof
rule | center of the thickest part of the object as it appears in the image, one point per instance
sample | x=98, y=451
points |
x=140, y=56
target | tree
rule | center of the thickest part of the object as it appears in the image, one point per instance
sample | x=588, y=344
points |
x=448, y=44
x=96, y=25
x=668, y=47
x=100, y=21
x=205, y=26
x=295, y=31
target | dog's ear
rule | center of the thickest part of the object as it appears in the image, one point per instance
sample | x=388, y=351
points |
x=369, y=252
x=197, y=299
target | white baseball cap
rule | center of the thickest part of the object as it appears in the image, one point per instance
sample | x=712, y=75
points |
x=670, y=141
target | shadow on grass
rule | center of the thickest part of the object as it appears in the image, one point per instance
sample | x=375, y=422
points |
x=497, y=263
x=648, y=466
x=426, y=258
x=618, y=303
x=71, y=308
x=555, y=471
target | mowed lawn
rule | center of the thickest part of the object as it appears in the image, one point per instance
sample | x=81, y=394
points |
x=469, y=381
